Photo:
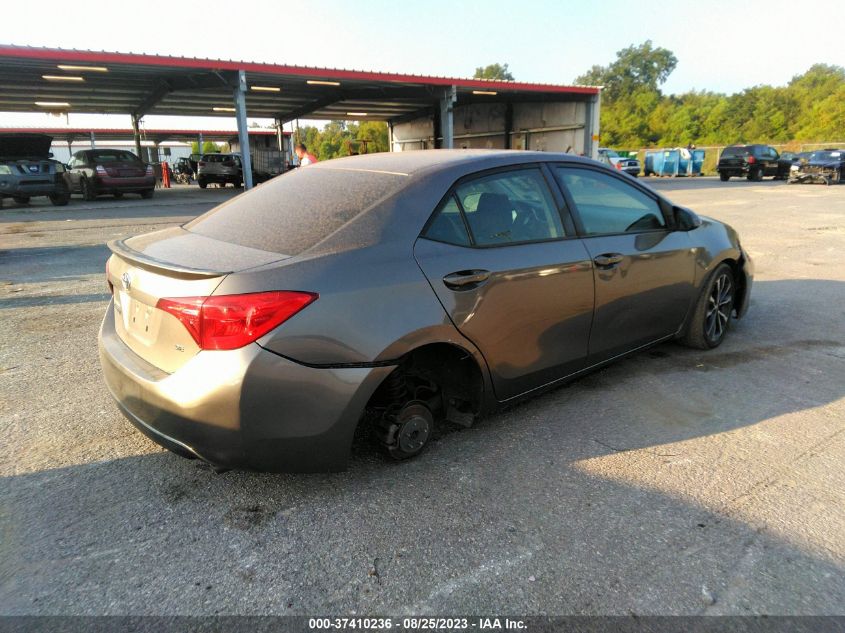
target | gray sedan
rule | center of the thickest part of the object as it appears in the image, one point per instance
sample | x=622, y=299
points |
x=400, y=291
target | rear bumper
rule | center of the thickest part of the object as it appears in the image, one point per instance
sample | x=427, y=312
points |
x=224, y=178
x=246, y=408
x=126, y=185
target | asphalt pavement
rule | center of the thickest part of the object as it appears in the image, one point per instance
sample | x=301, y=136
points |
x=674, y=482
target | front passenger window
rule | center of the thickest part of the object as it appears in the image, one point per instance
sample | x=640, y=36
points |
x=607, y=205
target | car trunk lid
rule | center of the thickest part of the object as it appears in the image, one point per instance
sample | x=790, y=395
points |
x=169, y=264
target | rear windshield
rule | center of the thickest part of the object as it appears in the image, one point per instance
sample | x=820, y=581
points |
x=108, y=156
x=217, y=158
x=735, y=151
x=291, y=213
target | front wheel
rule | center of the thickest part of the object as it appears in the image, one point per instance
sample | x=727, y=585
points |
x=755, y=175
x=146, y=194
x=21, y=199
x=60, y=199
x=202, y=183
x=709, y=322
x=724, y=177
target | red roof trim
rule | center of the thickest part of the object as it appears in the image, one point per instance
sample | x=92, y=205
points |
x=103, y=57
x=105, y=131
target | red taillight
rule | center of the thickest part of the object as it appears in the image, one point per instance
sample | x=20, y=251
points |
x=232, y=321
x=201, y=163
x=750, y=160
x=619, y=166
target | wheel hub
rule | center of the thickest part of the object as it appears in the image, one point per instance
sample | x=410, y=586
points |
x=414, y=430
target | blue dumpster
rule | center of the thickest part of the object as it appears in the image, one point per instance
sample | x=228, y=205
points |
x=684, y=164
x=697, y=167
x=662, y=162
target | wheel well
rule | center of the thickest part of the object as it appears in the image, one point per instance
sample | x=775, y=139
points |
x=445, y=377
x=739, y=280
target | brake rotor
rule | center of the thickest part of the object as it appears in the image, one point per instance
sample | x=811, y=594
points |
x=415, y=422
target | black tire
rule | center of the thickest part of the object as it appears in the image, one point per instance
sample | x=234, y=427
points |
x=87, y=189
x=237, y=184
x=202, y=183
x=724, y=177
x=710, y=321
x=21, y=199
x=60, y=199
x=756, y=174
x=146, y=194
x=118, y=194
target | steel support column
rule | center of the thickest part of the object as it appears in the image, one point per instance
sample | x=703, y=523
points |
x=280, y=139
x=243, y=131
x=591, y=127
x=93, y=140
x=447, y=127
x=508, y=124
x=136, y=133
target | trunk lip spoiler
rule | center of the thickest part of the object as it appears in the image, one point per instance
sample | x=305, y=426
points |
x=121, y=249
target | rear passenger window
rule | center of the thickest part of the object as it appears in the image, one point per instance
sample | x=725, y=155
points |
x=447, y=225
x=510, y=207
x=607, y=205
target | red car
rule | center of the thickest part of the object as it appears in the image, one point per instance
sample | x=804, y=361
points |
x=94, y=172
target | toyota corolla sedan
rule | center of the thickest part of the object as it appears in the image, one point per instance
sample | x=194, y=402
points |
x=400, y=291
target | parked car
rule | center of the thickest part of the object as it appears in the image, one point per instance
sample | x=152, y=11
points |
x=630, y=166
x=825, y=166
x=399, y=290
x=28, y=170
x=222, y=169
x=752, y=161
x=96, y=172
x=226, y=168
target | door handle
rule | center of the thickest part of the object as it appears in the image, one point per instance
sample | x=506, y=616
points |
x=608, y=259
x=459, y=280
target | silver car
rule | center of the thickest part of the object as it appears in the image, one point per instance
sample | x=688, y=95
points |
x=399, y=291
x=222, y=169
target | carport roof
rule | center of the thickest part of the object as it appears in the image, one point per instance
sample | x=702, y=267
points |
x=147, y=134
x=34, y=79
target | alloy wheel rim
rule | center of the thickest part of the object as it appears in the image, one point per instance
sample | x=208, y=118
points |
x=718, y=308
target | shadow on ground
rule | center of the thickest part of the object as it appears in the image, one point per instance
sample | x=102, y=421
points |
x=499, y=518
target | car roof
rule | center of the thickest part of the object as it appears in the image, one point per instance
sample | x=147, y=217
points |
x=427, y=161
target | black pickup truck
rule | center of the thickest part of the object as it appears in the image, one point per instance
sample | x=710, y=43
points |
x=27, y=169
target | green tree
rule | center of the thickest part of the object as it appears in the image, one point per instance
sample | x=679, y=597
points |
x=498, y=72
x=207, y=147
x=635, y=67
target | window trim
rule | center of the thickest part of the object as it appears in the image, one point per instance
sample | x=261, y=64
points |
x=566, y=218
x=579, y=226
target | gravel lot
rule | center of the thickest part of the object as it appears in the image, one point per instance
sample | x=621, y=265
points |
x=675, y=482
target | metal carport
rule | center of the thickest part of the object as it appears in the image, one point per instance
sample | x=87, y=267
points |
x=36, y=79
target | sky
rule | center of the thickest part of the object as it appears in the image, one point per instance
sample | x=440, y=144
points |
x=720, y=46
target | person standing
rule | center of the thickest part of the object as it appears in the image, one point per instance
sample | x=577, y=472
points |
x=305, y=157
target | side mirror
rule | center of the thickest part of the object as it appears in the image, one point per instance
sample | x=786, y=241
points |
x=685, y=220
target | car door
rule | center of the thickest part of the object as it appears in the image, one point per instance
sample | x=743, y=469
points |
x=644, y=270
x=74, y=165
x=772, y=162
x=510, y=272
